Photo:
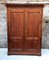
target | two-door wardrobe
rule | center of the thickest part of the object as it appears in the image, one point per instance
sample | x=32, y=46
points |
x=24, y=26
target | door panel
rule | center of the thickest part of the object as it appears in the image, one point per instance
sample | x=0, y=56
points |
x=31, y=44
x=16, y=29
x=32, y=31
x=16, y=44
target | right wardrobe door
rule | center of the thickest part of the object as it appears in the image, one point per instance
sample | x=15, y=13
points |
x=33, y=21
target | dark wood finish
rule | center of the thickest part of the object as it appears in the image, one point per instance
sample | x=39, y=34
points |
x=24, y=29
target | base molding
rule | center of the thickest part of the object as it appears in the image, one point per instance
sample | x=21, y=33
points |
x=25, y=53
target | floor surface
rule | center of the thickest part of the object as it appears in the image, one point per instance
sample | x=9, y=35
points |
x=4, y=56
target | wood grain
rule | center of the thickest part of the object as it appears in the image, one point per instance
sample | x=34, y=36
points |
x=24, y=29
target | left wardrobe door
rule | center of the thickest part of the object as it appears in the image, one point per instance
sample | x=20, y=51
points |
x=16, y=30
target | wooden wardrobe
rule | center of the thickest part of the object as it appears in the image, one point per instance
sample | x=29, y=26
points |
x=24, y=23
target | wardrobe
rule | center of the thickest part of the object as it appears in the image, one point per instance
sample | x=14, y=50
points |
x=24, y=27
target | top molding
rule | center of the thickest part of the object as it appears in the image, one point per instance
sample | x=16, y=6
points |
x=25, y=4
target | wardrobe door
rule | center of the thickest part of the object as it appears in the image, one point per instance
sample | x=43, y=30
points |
x=16, y=30
x=33, y=31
